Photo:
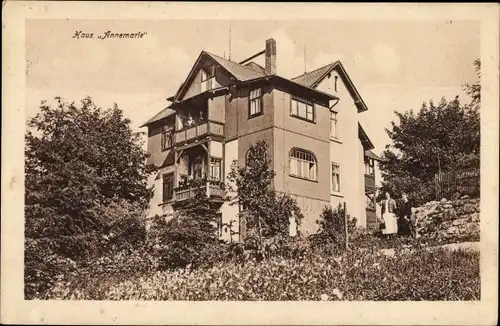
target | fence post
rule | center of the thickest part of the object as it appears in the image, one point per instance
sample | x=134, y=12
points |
x=346, y=229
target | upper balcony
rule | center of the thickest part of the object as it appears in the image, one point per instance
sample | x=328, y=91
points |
x=213, y=190
x=191, y=133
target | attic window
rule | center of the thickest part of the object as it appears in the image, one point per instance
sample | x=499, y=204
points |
x=336, y=82
x=207, y=79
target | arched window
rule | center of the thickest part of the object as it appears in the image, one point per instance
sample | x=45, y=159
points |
x=303, y=164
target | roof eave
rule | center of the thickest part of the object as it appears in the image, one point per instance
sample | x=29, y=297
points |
x=325, y=95
x=372, y=155
x=152, y=120
x=208, y=94
x=364, y=139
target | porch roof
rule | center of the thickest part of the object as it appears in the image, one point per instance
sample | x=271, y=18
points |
x=372, y=155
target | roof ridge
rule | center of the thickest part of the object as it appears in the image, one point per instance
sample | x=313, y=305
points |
x=234, y=62
x=310, y=72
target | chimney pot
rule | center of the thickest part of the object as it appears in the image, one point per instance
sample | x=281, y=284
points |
x=271, y=56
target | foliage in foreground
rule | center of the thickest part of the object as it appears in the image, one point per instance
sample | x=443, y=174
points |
x=355, y=275
x=332, y=228
x=86, y=189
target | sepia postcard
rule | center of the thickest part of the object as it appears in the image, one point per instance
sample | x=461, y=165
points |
x=249, y=163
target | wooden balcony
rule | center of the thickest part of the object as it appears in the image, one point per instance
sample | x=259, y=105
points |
x=369, y=182
x=212, y=191
x=198, y=131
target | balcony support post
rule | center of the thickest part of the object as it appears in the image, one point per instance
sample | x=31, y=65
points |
x=208, y=165
x=175, y=170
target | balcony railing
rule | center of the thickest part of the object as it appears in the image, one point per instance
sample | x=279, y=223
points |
x=191, y=133
x=369, y=182
x=212, y=190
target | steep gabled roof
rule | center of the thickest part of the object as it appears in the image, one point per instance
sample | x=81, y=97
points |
x=241, y=72
x=254, y=66
x=313, y=78
x=310, y=78
x=166, y=112
x=237, y=71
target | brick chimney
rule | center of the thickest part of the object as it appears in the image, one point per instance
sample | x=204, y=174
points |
x=271, y=56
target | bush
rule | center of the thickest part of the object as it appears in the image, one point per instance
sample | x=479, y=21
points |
x=95, y=279
x=356, y=275
x=43, y=268
x=50, y=259
x=331, y=233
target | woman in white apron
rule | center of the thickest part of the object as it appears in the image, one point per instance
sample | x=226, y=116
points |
x=388, y=215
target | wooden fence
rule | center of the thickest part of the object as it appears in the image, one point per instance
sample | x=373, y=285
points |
x=461, y=182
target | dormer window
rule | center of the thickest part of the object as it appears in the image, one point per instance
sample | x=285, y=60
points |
x=207, y=79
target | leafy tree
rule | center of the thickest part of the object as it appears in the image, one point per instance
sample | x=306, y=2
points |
x=331, y=233
x=191, y=232
x=474, y=90
x=268, y=213
x=442, y=137
x=79, y=162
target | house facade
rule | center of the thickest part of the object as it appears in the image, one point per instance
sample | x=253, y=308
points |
x=317, y=147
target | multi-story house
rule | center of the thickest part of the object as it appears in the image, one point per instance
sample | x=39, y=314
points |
x=317, y=147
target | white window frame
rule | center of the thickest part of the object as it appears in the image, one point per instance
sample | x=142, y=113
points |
x=215, y=169
x=336, y=172
x=303, y=109
x=167, y=133
x=207, y=79
x=303, y=164
x=255, y=103
x=369, y=167
x=334, y=127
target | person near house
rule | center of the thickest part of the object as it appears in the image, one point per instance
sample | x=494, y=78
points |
x=389, y=217
x=404, y=221
x=190, y=121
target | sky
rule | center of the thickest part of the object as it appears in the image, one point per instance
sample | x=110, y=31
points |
x=395, y=65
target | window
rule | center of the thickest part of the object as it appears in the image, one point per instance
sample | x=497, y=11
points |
x=255, y=103
x=303, y=164
x=167, y=137
x=369, y=166
x=333, y=124
x=168, y=187
x=335, y=177
x=215, y=169
x=370, y=202
x=198, y=168
x=207, y=79
x=336, y=82
x=303, y=109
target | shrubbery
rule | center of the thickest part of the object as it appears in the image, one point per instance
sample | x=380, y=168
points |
x=419, y=275
x=332, y=230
